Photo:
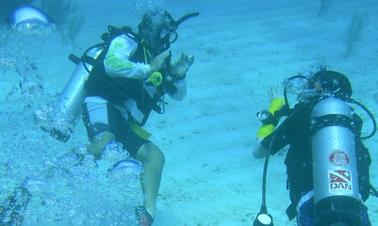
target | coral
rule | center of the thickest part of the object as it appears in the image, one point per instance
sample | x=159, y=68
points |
x=354, y=31
x=324, y=5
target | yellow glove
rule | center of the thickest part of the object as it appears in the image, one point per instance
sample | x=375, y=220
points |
x=276, y=104
x=269, y=118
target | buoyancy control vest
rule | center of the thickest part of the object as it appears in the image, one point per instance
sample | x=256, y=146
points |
x=89, y=78
x=117, y=90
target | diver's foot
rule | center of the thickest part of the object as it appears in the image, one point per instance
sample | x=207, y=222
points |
x=144, y=218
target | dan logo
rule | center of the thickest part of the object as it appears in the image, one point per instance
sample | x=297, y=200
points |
x=340, y=180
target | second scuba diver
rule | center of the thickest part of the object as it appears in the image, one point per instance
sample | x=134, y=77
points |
x=327, y=162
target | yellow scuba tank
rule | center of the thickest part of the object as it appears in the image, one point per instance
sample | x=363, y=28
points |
x=66, y=110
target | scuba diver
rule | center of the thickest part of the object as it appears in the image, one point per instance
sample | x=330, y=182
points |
x=327, y=162
x=119, y=82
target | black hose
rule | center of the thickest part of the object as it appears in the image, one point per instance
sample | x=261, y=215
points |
x=370, y=115
x=265, y=172
x=267, y=156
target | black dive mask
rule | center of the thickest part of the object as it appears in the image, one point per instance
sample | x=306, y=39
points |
x=316, y=85
x=160, y=38
x=168, y=33
x=168, y=29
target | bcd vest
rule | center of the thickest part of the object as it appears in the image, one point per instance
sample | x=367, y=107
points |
x=117, y=90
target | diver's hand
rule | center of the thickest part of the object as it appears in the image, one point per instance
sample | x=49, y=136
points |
x=182, y=65
x=158, y=61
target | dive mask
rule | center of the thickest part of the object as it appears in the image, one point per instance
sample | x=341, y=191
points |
x=168, y=32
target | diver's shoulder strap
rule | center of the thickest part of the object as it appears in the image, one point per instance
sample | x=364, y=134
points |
x=107, y=37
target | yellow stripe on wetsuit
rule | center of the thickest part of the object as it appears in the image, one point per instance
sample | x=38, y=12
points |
x=138, y=130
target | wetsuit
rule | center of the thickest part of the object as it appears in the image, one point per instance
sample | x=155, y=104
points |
x=119, y=98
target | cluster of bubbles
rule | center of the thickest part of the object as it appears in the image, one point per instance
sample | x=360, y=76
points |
x=19, y=67
x=73, y=189
x=38, y=188
x=7, y=60
x=140, y=6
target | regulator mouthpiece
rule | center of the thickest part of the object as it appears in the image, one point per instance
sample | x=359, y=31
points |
x=263, y=219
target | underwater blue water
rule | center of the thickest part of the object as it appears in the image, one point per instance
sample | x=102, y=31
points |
x=241, y=49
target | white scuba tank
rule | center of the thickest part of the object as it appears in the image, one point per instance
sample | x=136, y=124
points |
x=336, y=191
x=66, y=110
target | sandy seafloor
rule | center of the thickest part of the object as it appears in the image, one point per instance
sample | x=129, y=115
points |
x=242, y=48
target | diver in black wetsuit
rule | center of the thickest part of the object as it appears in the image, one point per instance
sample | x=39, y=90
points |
x=299, y=132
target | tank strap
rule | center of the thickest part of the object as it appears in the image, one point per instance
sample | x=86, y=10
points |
x=331, y=120
x=107, y=38
x=85, y=58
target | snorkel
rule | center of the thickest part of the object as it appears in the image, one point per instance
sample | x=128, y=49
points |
x=174, y=26
x=172, y=35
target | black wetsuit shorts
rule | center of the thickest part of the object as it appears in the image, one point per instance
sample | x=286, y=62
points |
x=102, y=117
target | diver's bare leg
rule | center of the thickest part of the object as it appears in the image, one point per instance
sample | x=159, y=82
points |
x=97, y=145
x=153, y=162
